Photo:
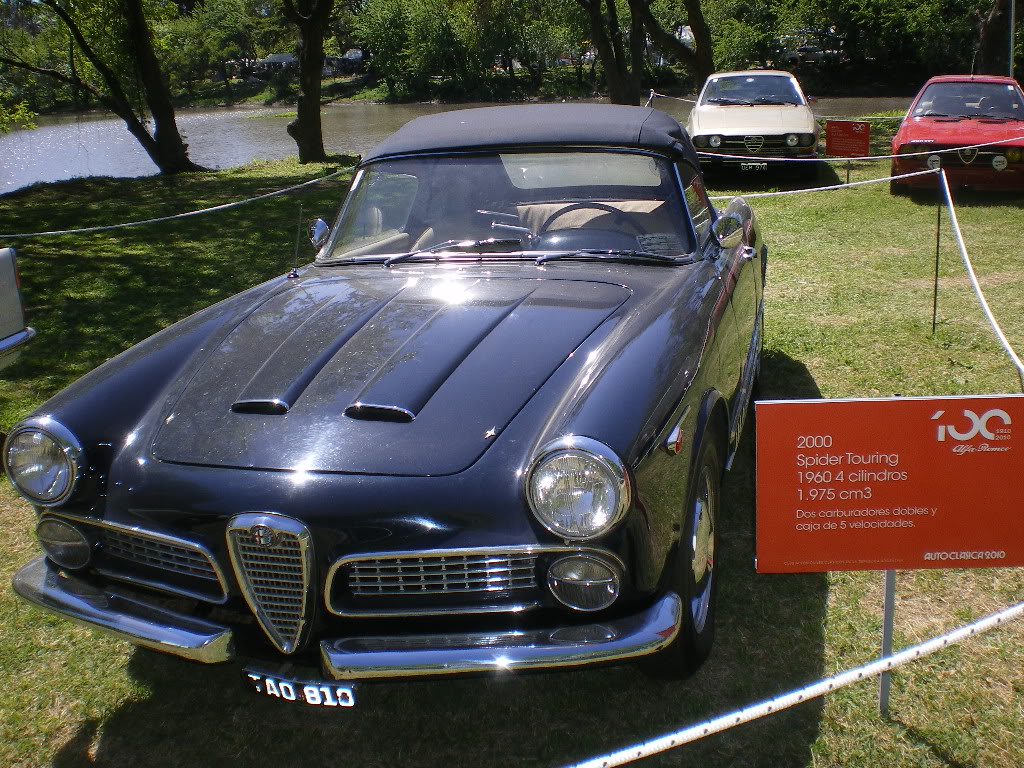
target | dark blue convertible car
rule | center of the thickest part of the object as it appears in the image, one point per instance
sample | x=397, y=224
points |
x=484, y=430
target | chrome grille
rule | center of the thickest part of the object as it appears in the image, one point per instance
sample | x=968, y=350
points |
x=156, y=560
x=273, y=562
x=157, y=554
x=772, y=146
x=445, y=574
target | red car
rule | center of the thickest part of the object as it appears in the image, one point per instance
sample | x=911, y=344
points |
x=956, y=111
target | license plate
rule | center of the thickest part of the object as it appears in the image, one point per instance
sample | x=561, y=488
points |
x=311, y=693
x=753, y=166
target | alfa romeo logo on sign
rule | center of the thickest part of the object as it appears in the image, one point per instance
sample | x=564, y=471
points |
x=263, y=535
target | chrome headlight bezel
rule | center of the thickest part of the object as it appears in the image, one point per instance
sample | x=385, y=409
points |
x=69, y=450
x=603, y=460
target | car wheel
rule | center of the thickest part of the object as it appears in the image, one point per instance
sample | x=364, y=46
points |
x=694, y=577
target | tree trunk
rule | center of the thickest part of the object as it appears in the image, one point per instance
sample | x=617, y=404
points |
x=613, y=73
x=993, y=40
x=311, y=17
x=171, y=151
x=700, y=60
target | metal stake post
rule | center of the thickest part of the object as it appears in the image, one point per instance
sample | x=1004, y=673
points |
x=888, y=609
x=935, y=290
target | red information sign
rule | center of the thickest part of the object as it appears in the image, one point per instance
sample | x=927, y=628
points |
x=847, y=138
x=930, y=482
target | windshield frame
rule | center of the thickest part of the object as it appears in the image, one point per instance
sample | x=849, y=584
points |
x=703, y=99
x=325, y=257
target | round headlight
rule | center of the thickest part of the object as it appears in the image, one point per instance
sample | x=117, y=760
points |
x=715, y=141
x=1013, y=154
x=583, y=582
x=999, y=162
x=578, y=488
x=792, y=139
x=43, y=460
x=64, y=543
x=806, y=139
x=700, y=141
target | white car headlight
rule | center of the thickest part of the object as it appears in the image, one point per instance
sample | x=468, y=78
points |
x=578, y=488
x=43, y=461
x=715, y=141
x=792, y=139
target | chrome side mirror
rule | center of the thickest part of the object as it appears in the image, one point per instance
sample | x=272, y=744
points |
x=319, y=231
x=729, y=231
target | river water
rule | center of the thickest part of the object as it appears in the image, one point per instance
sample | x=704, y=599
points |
x=68, y=146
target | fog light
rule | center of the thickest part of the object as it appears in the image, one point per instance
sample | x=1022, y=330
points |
x=64, y=543
x=583, y=582
x=715, y=141
x=792, y=139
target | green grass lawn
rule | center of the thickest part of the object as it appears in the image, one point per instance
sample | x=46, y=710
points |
x=849, y=312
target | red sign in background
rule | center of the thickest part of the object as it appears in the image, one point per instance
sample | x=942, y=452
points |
x=847, y=138
x=896, y=483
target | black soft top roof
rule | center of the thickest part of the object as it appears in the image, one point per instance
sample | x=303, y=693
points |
x=540, y=125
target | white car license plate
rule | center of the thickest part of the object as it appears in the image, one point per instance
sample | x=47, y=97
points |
x=753, y=166
x=315, y=693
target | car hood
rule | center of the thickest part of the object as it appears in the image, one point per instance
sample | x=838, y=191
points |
x=385, y=375
x=751, y=120
x=934, y=130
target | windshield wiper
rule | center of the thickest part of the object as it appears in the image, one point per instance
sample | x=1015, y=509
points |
x=769, y=100
x=481, y=246
x=727, y=100
x=614, y=255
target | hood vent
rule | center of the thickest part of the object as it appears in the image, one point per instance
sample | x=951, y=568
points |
x=273, y=407
x=369, y=412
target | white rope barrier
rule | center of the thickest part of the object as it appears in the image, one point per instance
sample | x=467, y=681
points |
x=655, y=94
x=763, y=158
x=787, y=700
x=224, y=207
x=974, y=281
x=824, y=189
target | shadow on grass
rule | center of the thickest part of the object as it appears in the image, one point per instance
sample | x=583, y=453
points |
x=769, y=641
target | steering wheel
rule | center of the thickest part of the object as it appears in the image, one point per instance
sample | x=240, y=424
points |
x=598, y=206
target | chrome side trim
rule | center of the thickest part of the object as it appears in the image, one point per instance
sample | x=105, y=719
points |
x=275, y=575
x=159, y=537
x=513, y=607
x=354, y=658
x=123, y=616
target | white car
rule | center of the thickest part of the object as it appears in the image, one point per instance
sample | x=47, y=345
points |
x=13, y=332
x=752, y=118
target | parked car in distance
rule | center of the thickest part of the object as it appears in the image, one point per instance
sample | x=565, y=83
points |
x=948, y=119
x=749, y=119
x=13, y=331
x=484, y=431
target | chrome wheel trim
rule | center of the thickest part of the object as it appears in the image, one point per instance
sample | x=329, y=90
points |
x=702, y=548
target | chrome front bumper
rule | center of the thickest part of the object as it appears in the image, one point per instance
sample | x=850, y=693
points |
x=355, y=658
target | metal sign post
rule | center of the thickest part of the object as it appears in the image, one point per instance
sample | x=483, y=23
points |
x=888, y=611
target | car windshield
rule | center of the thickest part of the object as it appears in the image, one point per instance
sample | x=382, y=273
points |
x=971, y=99
x=547, y=201
x=751, y=89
